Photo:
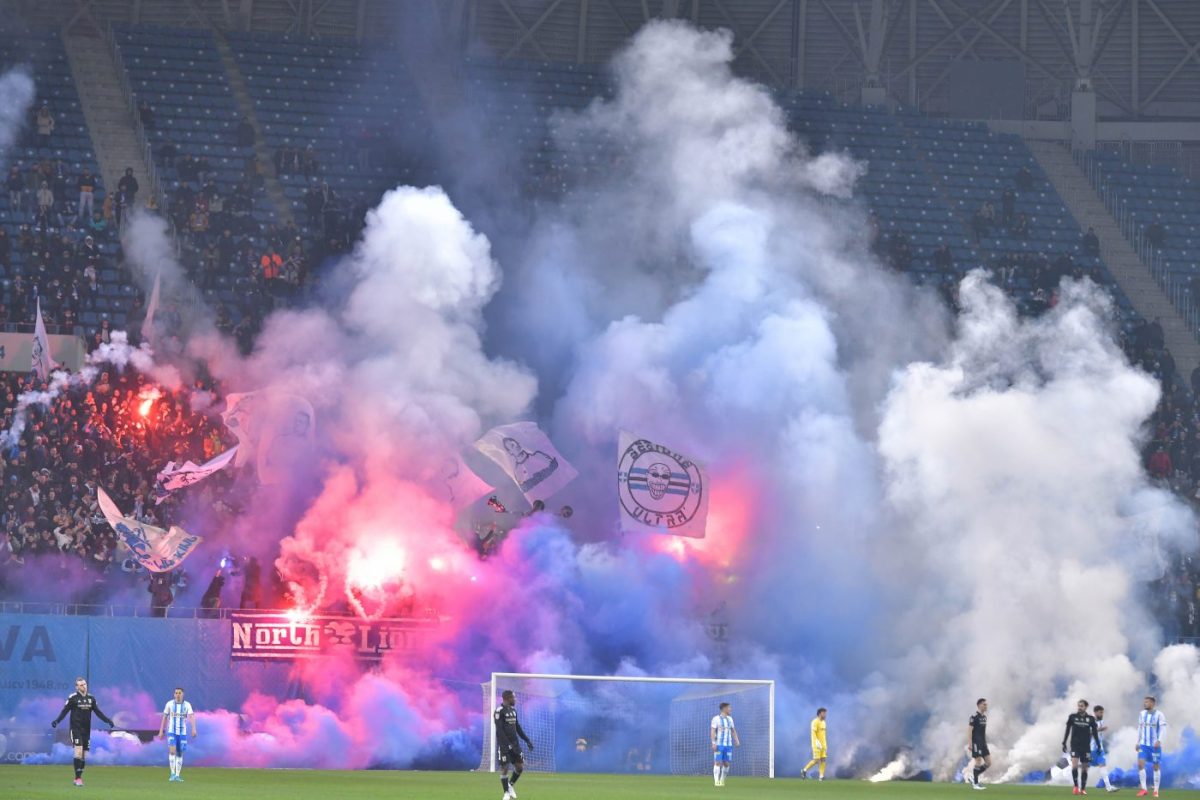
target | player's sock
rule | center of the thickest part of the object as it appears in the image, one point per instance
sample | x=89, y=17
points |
x=809, y=765
x=1142, y=778
x=178, y=764
x=1083, y=778
x=513, y=780
x=1075, y=775
x=171, y=762
x=975, y=773
x=821, y=770
x=716, y=774
x=1157, y=778
x=504, y=783
x=79, y=768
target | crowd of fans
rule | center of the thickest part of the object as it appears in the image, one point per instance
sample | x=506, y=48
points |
x=112, y=434
x=67, y=238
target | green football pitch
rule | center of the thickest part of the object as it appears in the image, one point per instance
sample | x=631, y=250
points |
x=133, y=783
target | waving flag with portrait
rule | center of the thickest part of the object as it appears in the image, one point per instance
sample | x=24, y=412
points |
x=660, y=490
x=527, y=456
x=275, y=430
x=155, y=549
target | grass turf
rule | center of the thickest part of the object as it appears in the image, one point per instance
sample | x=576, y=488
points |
x=134, y=783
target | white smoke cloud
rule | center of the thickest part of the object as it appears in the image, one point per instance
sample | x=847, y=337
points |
x=1013, y=465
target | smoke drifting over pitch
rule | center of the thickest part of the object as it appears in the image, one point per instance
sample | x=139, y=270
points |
x=908, y=512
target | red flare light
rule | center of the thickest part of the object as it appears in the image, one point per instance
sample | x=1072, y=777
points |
x=147, y=397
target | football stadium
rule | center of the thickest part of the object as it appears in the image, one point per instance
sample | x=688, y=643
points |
x=593, y=399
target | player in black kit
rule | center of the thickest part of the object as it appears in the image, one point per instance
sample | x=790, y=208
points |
x=1082, y=731
x=508, y=742
x=977, y=742
x=80, y=706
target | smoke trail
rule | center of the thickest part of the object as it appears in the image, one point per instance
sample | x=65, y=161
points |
x=16, y=96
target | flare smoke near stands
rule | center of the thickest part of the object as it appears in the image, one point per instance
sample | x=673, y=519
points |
x=888, y=434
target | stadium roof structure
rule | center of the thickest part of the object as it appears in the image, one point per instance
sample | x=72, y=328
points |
x=1141, y=57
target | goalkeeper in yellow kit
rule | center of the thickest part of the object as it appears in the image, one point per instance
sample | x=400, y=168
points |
x=819, y=748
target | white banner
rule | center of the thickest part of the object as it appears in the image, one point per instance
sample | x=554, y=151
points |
x=178, y=476
x=527, y=456
x=155, y=549
x=661, y=491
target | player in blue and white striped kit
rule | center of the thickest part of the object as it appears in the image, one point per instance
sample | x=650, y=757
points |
x=1151, y=724
x=724, y=737
x=1100, y=753
x=175, y=718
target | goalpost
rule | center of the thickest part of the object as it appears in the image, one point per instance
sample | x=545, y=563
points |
x=597, y=723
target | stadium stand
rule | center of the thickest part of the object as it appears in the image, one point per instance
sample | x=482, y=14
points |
x=345, y=123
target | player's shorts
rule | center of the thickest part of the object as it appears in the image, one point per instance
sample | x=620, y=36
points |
x=510, y=755
x=178, y=741
x=1084, y=756
x=724, y=752
x=819, y=752
x=979, y=750
x=1151, y=755
x=81, y=739
x=1098, y=758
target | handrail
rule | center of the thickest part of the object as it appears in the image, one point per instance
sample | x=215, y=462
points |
x=99, y=610
x=1133, y=231
x=427, y=615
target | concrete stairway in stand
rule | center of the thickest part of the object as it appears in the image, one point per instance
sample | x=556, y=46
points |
x=109, y=118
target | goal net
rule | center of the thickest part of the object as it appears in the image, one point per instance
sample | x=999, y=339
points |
x=590, y=723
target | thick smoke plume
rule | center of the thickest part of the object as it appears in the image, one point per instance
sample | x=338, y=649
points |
x=1014, y=470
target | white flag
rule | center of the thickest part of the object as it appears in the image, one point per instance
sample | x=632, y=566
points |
x=43, y=364
x=178, y=476
x=660, y=490
x=151, y=308
x=527, y=456
x=155, y=549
